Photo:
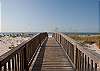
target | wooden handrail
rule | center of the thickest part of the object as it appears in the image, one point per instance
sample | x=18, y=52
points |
x=19, y=58
x=80, y=56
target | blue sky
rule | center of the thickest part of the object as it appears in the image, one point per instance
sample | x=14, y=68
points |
x=0, y=16
x=49, y=15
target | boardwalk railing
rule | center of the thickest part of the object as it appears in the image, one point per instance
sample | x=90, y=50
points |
x=21, y=57
x=80, y=57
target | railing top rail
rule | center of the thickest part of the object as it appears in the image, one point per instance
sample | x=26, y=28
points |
x=91, y=54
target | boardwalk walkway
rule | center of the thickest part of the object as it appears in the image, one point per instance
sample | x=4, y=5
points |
x=52, y=58
x=43, y=53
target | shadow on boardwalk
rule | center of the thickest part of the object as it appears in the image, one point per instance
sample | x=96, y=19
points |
x=38, y=63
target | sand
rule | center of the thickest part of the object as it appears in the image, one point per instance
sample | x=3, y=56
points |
x=6, y=42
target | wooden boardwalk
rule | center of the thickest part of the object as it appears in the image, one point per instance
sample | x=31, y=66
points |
x=43, y=53
x=52, y=58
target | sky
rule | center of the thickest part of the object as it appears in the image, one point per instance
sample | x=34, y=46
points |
x=50, y=16
x=0, y=16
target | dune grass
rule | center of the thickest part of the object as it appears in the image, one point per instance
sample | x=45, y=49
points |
x=87, y=39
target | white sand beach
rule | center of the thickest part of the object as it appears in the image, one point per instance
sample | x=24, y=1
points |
x=6, y=42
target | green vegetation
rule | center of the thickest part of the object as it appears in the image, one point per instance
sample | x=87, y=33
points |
x=87, y=39
x=13, y=36
x=1, y=36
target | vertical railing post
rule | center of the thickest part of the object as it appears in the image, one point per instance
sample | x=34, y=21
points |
x=25, y=60
x=73, y=53
x=60, y=38
x=82, y=69
x=92, y=65
x=85, y=62
x=76, y=62
x=0, y=66
x=88, y=67
x=57, y=36
x=40, y=39
x=80, y=60
x=95, y=69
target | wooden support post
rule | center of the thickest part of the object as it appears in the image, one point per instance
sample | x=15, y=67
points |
x=25, y=60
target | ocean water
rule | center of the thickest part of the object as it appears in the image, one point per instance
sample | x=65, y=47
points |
x=82, y=33
x=34, y=33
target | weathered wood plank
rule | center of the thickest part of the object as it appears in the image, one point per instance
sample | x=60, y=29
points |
x=54, y=58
